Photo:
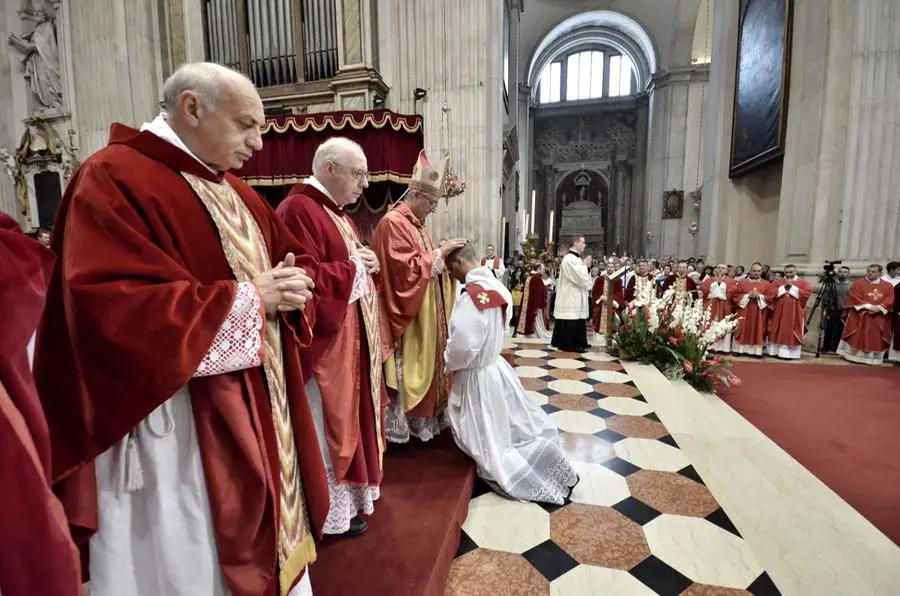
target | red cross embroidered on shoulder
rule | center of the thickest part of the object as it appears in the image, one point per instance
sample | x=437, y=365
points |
x=484, y=298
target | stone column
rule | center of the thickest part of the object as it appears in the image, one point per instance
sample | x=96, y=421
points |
x=677, y=98
x=636, y=237
x=358, y=80
x=622, y=198
x=464, y=68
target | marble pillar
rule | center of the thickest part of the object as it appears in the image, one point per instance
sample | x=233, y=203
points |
x=674, y=162
x=117, y=66
x=840, y=178
x=869, y=207
x=358, y=81
x=454, y=51
x=623, y=197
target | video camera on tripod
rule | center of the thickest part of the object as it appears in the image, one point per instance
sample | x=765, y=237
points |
x=829, y=270
x=828, y=300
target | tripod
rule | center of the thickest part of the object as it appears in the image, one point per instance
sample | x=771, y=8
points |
x=828, y=299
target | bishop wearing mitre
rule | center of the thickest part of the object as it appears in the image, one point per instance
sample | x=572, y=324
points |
x=416, y=298
x=867, y=319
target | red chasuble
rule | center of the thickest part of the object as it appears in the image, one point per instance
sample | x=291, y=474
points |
x=719, y=309
x=752, y=321
x=339, y=355
x=534, y=300
x=682, y=285
x=599, y=309
x=787, y=325
x=37, y=555
x=864, y=330
x=406, y=253
x=139, y=292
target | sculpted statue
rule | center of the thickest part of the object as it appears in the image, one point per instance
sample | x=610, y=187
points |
x=41, y=57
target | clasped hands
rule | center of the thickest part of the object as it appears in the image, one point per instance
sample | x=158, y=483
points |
x=368, y=258
x=284, y=287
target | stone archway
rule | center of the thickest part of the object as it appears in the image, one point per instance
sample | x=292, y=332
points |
x=604, y=27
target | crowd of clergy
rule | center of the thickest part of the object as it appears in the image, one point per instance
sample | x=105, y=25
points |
x=861, y=317
x=199, y=389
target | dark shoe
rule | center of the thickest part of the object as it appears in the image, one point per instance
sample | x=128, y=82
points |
x=358, y=527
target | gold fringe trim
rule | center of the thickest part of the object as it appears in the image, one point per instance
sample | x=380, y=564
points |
x=302, y=557
x=397, y=177
x=382, y=119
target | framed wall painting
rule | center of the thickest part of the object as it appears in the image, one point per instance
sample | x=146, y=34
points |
x=762, y=80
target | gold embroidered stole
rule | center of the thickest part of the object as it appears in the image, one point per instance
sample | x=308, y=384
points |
x=369, y=308
x=523, y=309
x=606, y=323
x=245, y=250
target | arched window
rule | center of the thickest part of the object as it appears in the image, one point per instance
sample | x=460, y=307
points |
x=587, y=74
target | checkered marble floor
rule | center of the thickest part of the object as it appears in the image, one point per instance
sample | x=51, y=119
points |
x=641, y=521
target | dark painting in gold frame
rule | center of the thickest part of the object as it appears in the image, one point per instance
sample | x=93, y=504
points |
x=762, y=79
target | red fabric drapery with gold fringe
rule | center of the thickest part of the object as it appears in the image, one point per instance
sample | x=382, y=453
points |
x=391, y=142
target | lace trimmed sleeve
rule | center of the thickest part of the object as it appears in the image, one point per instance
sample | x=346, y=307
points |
x=360, y=281
x=238, y=343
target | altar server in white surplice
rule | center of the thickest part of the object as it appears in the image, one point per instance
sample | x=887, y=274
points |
x=514, y=443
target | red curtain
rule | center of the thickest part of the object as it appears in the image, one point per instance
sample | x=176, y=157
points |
x=391, y=141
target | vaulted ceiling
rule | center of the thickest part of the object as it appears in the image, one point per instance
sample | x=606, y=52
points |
x=669, y=24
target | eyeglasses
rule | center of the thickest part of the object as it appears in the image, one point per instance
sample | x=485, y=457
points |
x=359, y=174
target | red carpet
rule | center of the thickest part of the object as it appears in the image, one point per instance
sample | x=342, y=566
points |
x=414, y=533
x=840, y=422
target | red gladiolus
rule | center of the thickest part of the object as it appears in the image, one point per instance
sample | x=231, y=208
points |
x=734, y=380
x=673, y=341
x=688, y=366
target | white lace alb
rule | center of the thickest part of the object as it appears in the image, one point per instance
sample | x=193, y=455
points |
x=237, y=344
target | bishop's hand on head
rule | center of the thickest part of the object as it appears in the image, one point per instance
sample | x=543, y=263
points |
x=284, y=287
x=448, y=246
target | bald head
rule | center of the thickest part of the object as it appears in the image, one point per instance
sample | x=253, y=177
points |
x=341, y=166
x=216, y=112
x=206, y=80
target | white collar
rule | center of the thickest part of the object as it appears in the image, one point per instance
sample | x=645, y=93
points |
x=321, y=188
x=160, y=127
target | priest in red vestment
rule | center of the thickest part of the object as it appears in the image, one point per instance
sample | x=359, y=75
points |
x=787, y=298
x=718, y=294
x=37, y=554
x=343, y=365
x=534, y=315
x=685, y=286
x=416, y=299
x=752, y=312
x=493, y=261
x=867, y=319
x=606, y=302
x=167, y=361
x=639, y=285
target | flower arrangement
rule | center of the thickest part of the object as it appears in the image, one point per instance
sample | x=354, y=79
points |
x=674, y=333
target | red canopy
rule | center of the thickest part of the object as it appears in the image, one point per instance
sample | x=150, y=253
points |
x=391, y=142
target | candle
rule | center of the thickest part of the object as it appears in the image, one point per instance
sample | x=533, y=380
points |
x=552, y=213
x=533, y=194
